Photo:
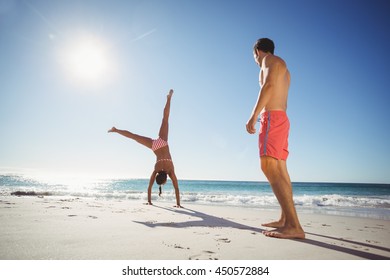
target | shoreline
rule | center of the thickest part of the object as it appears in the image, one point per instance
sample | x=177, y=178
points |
x=358, y=212
x=70, y=228
x=324, y=198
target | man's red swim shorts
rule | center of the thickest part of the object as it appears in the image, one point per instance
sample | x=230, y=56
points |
x=273, y=134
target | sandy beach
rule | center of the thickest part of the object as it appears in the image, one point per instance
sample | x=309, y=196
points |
x=61, y=228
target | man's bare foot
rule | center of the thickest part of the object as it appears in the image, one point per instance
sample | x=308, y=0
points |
x=113, y=129
x=289, y=233
x=276, y=224
x=178, y=206
x=148, y=203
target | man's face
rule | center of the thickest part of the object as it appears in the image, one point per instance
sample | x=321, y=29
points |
x=256, y=56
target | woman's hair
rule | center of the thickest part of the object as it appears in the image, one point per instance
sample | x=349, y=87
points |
x=161, y=179
x=265, y=45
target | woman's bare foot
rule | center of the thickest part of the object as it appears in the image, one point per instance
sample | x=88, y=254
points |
x=170, y=93
x=285, y=232
x=113, y=129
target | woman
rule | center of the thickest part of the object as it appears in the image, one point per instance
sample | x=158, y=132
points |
x=164, y=164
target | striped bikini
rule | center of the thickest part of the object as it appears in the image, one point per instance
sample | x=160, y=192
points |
x=158, y=144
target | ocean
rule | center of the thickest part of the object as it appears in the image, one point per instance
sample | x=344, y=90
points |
x=352, y=199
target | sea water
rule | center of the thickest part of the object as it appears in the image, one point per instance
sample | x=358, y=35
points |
x=363, y=200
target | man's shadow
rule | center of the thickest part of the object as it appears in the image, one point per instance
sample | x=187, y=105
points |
x=355, y=252
x=206, y=220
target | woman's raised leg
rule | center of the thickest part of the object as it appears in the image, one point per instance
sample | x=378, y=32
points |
x=146, y=141
x=163, y=134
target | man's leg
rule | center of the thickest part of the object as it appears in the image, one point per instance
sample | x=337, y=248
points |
x=277, y=175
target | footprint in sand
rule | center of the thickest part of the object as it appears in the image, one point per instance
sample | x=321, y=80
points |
x=95, y=206
x=7, y=203
x=176, y=246
x=204, y=255
x=137, y=211
x=180, y=247
x=201, y=233
x=224, y=240
x=93, y=217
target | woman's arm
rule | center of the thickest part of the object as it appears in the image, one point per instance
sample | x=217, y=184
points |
x=151, y=182
x=172, y=175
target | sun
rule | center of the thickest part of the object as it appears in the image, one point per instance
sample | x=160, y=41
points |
x=87, y=61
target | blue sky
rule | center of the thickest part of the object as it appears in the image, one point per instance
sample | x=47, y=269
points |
x=54, y=120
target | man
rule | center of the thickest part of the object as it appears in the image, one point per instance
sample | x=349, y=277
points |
x=274, y=80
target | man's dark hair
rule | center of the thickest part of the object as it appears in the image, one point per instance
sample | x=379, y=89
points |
x=161, y=179
x=265, y=45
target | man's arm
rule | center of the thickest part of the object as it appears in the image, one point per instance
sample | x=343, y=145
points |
x=151, y=182
x=265, y=95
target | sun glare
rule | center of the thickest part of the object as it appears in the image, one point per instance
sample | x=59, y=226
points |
x=87, y=61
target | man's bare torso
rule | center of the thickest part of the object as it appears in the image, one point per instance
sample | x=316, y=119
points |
x=274, y=71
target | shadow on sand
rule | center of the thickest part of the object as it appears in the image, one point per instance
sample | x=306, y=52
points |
x=206, y=220
x=359, y=253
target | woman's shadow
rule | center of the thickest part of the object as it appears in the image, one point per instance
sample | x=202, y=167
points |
x=204, y=220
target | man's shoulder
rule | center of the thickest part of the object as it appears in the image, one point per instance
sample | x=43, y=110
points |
x=278, y=60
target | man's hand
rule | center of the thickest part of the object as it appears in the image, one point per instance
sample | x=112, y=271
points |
x=250, y=126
